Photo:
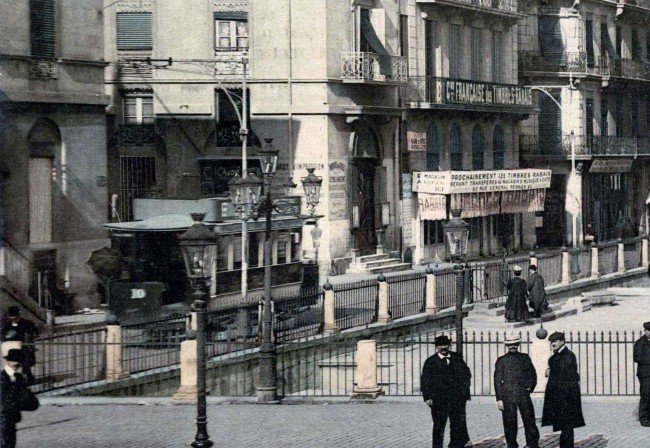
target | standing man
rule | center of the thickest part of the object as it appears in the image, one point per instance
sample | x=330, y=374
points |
x=642, y=358
x=14, y=398
x=16, y=328
x=562, y=405
x=445, y=385
x=514, y=380
x=536, y=292
x=516, y=306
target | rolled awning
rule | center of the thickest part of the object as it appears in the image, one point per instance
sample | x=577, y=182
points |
x=371, y=37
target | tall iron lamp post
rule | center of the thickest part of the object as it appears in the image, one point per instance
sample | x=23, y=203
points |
x=248, y=192
x=199, y=247
x=456, y=236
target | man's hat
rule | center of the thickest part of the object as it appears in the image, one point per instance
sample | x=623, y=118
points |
x=516, y=268
x=442, y=340
x=646, y=326
x=557, y=336
x=512, y=338
x=532, y=267
x=13, y=311
x=14, y=354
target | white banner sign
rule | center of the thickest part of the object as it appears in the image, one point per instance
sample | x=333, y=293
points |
x=447, y=182
x=432, y=206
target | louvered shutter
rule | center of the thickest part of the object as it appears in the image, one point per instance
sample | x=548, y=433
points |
x=497, y=42
x=477, y=56
x=589, y=40
x=134, y=31
x=42, y=28
x=550, y=125
x=550, y=39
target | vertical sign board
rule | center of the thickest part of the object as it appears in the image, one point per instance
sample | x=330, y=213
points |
x=407, y=211
x=337, y=190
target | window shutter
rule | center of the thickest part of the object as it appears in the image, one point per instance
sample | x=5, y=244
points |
x=550, y=39
x=433, y=148
x=454, y=50
x=550, y=125
x=497, y=42
x=477, y=56
x=589, y=118
x=134, y=31
x=42, y=28
x=607, y=41
x=589, y=40
x=430, y=51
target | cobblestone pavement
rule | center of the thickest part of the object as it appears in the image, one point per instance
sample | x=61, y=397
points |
x=97, y=423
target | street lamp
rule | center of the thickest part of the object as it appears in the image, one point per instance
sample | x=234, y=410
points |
x=199, y=246
x=456, y=236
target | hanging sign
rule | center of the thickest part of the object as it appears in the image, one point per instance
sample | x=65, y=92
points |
x=611, y=166
x=416, y=141
x=446, y=182
x=432, y=206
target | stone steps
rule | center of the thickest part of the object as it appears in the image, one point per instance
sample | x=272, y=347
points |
x=390, y=268
x=377, y=264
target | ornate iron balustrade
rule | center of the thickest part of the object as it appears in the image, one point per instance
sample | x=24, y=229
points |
x=137, y=134
x=363, y=66
x=562, y=62
x=601, y=145
x=499, y=5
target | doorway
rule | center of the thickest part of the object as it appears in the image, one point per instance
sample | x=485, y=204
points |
x=365, y=239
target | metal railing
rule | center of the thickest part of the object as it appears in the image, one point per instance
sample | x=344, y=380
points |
x=406, y=294
x=550, y=267
x=356, y=303
x=298, y=315
x=364, y=66
x=602, y=145
x=15, y=267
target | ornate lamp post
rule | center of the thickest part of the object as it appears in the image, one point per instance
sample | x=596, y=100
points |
x=199, y=246
x=248, y=192
x=456, y=236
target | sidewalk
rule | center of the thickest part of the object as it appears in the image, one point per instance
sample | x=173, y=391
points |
x=387, y=422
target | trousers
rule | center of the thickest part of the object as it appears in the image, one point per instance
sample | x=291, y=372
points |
x=457, y=416
x=8, y=435
x=644, y=402
x=527, y=411
x=566, y=437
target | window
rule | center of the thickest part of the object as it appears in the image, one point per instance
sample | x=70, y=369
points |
x=430, y=50
x=589, y=119
x=455, y=52
x=42, y=28
x=550, y=39
x=550, y=124
x=498, y=148
x=433, y=232
x=134, y=31
x=476, y=54
x=634, y=116
x=477, y=148
x=636, y=47
x=138, y=110
x=589, y=40
x=619, y=116
x=231, y=31
x=456, y=148
x=619, y=41
x=606, y=43
x=433, y=148
x=403, y=35
x=604, y=109
x=497, y=43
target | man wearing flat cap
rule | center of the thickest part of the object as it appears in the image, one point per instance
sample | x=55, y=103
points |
x=516, y=306
x=642, y=358
x=445, y=385
x=15, y=397
x=514, y=380
x=562, y=405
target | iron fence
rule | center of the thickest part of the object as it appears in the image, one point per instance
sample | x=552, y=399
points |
x=68, y=359
x=355, y=304
x=632, y=254
x=445, y=288
x=550, y=267
x=406, y=294
x=584, y=264
x=298, y=315
x=231, y=331
x=607, y=259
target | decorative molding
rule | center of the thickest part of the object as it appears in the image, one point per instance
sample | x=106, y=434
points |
x=238, y=5
x=41, y=69
x=135, y=5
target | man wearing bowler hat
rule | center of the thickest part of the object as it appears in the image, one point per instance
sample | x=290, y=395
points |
x=514, y=380
x=562, y=405
x=642, y=358
x=445, y=385
x=14, y=397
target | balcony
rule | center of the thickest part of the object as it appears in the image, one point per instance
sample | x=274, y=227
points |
x=137, y=134
x=575, y=62
x=631, y=6
x=506, y=8
x=357, y=66
x=585, y=146
x=429, y=92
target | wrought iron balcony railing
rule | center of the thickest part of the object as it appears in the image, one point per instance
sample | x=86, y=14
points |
x=362, y=66
x=498, y=5
x=137, y=134
x=596, y=145
x=576, y=62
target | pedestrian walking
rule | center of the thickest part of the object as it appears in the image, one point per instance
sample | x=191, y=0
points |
x=536, y=292
x=642, y=358
x=516, y=305
x=514, y=380
x=16, y=328
x=562, y=403
x=445, y=385
x=15, y=397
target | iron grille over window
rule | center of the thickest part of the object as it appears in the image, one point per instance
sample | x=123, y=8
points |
x=42, y=28
x=134, y=31
x=137, y=177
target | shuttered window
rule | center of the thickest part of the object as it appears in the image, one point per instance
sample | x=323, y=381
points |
x=431, y=30
x=42, y=28
x=454, y=51
x=634, y=116
x=619, y=42
x=589, y=41
x=550, y=39
x=497, y=43
x=433, y=148
x=550, y=125
x=606, y=41
x=134, y=31
x=619, y=116
x=636, y=47
x=477, y=148
x=498, y=148
x=476, y=54
x=589, y=119
x=604, y=108
x=456, y=148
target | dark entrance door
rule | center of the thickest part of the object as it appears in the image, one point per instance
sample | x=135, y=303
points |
x=364, y=198
x=554, y=221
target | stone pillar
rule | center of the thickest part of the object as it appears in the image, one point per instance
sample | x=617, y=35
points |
x=566, y=277
x=644, y=251
x=620, y=258
x=366, y=371
x=430, y=306
x=187, y=389
x=329, y=322
x=533, y=259
x=380, y=241
x=539, y=354
x=382, y=313
x=594, y=260
x=192, y=323
x=114, y=352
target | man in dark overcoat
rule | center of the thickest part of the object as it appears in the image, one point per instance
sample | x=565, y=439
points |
x=514, y=380
x=445, y=383
x=562, y=404
x=14, y=327
x=14, y=398
x=516, y=305
x=536, y=292
x=642, y=358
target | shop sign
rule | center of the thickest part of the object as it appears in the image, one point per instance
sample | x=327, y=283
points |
x=432, y=206
x=447, y=182
x=407, y=191
x=452, y=91
x=611, y=166
x=337, y=189
x=416, y=141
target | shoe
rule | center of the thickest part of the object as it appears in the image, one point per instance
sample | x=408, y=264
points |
x=645, y=423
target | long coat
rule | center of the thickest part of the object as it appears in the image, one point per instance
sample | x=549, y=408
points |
x=562, y=405
x=445, y=384
x=642, y=357
x=516, y=306
x=10, y=399
x=514, y=376
x=537, y=292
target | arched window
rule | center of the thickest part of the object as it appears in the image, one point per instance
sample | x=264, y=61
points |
x=477, y=148
x=433, y=148
x=456, y=148
x=498, y=148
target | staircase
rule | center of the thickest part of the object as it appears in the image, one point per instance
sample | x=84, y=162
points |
x=15, y=270
x=377, y=264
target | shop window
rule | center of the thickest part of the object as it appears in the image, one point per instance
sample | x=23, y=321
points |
x=42, y=29
x=134, y=31
x=231, y=31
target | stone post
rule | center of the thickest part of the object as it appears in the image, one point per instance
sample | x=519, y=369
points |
x=533, y=259
x=329, y=322
x=192, y=323
x=187, y=389
x=644, y=251
x=366, y=371
x=566, y=277
x=620, y=256
x=430, y=306
x=114, y=351
x=594, y=260
x=382, y=313
x=539, y=354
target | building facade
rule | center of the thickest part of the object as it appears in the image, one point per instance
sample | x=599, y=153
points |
x=53, y=189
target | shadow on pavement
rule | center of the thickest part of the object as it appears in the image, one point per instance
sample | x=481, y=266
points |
x=548, y=441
